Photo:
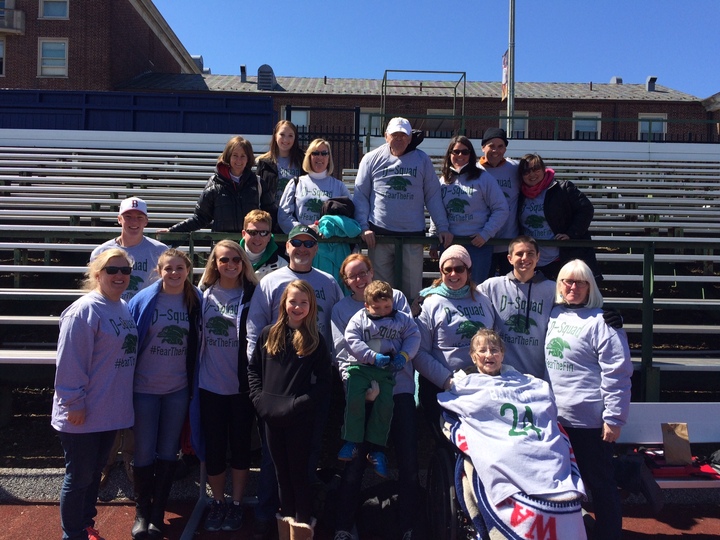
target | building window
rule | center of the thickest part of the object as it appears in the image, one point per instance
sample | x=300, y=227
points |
x=520, y=124
x=2, y=57
x=52, y=57
x=299, y=117
x=586, y=126
x=370, y=122
x=652, y=127
x=54, y=9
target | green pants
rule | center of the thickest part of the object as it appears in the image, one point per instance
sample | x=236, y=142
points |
x=378, y=425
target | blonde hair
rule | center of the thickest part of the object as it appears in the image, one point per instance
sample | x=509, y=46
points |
x=212, y=274
x=90, y=281
x=190, y=297
x=306, y=338
x=307, y=163
x=577, y=269
x=257, y=216
x=378, y=290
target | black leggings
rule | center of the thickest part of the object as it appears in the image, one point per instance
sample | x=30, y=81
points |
x=290, y=450
x=226, y=418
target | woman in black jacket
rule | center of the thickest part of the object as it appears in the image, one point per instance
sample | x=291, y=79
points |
x=231, y=192
x=289, y=372
x=550, y=209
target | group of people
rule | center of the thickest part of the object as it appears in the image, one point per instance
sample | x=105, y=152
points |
x=262, y=334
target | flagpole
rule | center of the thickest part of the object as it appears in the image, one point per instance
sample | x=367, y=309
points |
x=511, y=71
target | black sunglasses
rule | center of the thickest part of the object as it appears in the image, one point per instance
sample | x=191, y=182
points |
x=112, y=270
x=225, y=260
x=320, y=153
x=463, y=152
x=256, y=232
x=307, y=243
x=458, y=269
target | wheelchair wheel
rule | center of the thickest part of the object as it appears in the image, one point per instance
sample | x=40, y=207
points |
x=442, y=506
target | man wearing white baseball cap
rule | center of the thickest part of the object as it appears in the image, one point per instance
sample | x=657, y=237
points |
x=145, y=251
x=394, y=184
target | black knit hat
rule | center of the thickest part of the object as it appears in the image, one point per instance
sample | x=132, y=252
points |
x=494, y=133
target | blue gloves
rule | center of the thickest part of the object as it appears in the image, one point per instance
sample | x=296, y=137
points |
x=382, y=360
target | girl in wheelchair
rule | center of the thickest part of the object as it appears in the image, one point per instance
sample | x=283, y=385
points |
x=518, y=478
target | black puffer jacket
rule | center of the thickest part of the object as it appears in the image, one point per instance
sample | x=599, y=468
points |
x=569, y=211
x=224, y=204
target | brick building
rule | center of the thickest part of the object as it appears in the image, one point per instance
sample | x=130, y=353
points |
x=85, y=44
x=126, y=45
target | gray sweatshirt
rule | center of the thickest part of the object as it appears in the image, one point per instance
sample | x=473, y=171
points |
x=392, y=192
x=96, y=355
x=509, y=181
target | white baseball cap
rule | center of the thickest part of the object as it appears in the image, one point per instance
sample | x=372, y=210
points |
x=397, y=125
x=133, y=203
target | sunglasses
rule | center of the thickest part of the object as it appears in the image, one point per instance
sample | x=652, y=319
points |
x=124, y=270
x=255, y=232
x=320, y=153
x=457, y=269
x=307, y=243
x=463, y=152
x=225, y=260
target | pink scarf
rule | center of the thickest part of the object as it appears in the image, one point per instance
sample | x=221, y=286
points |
x=533, y=191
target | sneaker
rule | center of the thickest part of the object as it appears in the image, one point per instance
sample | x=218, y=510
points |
x=407, y=535
x=379, y=462
x=93, y=534
x=216, y=516
x=343, y=535
x=233, y=518
x=348, y=452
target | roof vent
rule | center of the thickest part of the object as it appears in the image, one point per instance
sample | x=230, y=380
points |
x=616, y=80
x=198, y=60
x=243, y=73
x=266, y=78
x=650, y=83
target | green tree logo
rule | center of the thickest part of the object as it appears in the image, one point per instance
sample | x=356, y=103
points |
x=398, y=183
x=520, y=324
x=130, y=344
x=172, y=334
x=556, y=346
x=218, y=326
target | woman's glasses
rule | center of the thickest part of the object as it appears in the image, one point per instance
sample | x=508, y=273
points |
x=320, y=153
x=581, y=284
x=124, y=270
x=307, y=243
x=359, y=275
x=225, y=260
x=255, y=232
x=457, y=269
x=463, y=152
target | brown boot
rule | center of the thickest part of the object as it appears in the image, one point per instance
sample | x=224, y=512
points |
x=284, y=524
x=302, y=531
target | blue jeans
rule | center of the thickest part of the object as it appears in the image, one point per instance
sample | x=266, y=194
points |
x=159, y=420
x=594, y=459
x=403, y=435
x=481, y=258
x=85, y=457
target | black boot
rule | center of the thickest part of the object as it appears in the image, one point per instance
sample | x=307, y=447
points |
x=143, y=483
x=164, y=475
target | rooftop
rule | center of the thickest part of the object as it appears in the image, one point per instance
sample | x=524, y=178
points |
x=373, y=87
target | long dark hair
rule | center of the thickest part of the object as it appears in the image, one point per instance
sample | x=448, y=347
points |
x=296, y=153
x=472, y=169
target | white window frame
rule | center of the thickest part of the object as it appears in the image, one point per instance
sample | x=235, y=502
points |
x=301, y=124
x=585, y=116
x=521, y=133
x=371, y=125
x=41, y=9
x=3, y=50
x=48, y=70
x=656, y=135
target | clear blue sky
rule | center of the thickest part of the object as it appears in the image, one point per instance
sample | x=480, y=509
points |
x=555, y=40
